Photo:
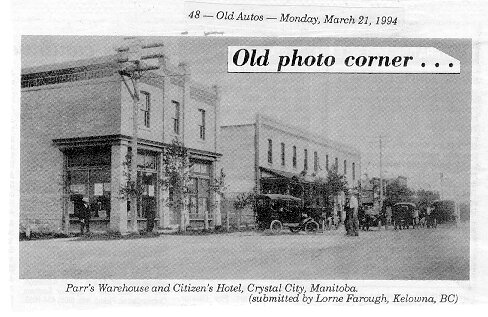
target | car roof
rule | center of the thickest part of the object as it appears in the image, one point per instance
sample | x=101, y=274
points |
x=405, y=203
x=280, y=197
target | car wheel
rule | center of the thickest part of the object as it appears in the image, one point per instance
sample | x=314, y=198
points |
x=275, y=226
x=312, y=226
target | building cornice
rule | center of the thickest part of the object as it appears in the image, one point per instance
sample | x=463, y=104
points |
x=120, y=138
x=306, y=135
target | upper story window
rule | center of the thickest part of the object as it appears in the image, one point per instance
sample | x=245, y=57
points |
x=282, y=154
x=294, y=157
x=270, y=151
x=345, y=167
x=145, y=107
x=305, y=159
x=176, y=117
x=336, y=164
x=327, y=162
x=202, y=124
x=315, y=161
x=353, y=171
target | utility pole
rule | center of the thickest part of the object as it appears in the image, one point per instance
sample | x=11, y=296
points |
x=381, y=174
x=441, y=178
x=135, y=59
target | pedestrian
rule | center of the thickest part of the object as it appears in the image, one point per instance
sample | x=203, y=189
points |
x=85, y=216
x=82, y=211
x=150, y=215
x=335, y=213
x=388, y=216
x=354, y=206
x=415, y=218
x=348, y=220
x=428, y=216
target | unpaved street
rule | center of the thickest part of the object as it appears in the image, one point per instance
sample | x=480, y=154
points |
x=440, y=254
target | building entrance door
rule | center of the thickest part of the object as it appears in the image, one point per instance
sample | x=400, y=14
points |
x=147, y=175
x=147, y=203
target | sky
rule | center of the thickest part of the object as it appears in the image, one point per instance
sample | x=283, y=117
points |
x=424, y=119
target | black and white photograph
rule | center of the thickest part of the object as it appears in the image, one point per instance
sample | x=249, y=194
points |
x=145, y=157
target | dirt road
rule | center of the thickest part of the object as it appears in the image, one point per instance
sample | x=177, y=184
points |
x=424, y=254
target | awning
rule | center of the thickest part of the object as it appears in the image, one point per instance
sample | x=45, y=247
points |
x=272, y=173
x=280, y=197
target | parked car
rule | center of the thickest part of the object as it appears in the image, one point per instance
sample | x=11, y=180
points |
x=402, y=215
x=370, y=216
x=275, y=211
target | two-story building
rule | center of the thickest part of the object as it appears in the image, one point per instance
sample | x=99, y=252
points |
x=75, y=132
x=268, y=156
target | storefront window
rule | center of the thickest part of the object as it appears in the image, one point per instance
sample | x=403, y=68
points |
x=88, y=175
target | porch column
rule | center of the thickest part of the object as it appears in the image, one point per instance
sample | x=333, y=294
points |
x=118, y=205
x=215, y=198
x=217, y=216
x=163, y=212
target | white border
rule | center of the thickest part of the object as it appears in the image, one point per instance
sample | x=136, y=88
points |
x=438, y=18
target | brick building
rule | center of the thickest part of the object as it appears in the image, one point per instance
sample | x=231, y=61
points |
x=272, y=157
x=76, y=125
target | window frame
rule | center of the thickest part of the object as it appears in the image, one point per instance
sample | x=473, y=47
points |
x=294, y=159
x=176, y=116
x=305, y=159
x=202, y=128
x=315, y=161
x=146, y=110
x=283, y=158
x=270, y=151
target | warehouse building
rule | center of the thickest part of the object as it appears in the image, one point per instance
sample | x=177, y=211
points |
x=76, y=127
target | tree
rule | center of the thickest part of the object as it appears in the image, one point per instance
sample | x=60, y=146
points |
x=335, y=182
x=242, y=201
x=330, y=186
x=396, y=192
x=175, y=177
x=426, y=197
x=132, y=189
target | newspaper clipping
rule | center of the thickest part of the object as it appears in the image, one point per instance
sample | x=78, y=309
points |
x=281, y=155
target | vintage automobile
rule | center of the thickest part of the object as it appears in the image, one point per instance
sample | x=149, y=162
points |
x=275, y=211
x=370, y=216
x=402, y=215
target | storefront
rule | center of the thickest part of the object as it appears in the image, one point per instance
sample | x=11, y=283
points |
x=89, y=173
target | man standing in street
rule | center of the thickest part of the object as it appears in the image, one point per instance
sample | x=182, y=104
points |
x=388, y=216
x=354, y=206
x=428, y=216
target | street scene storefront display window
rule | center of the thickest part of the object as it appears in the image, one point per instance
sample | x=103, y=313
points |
x=88, y=174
